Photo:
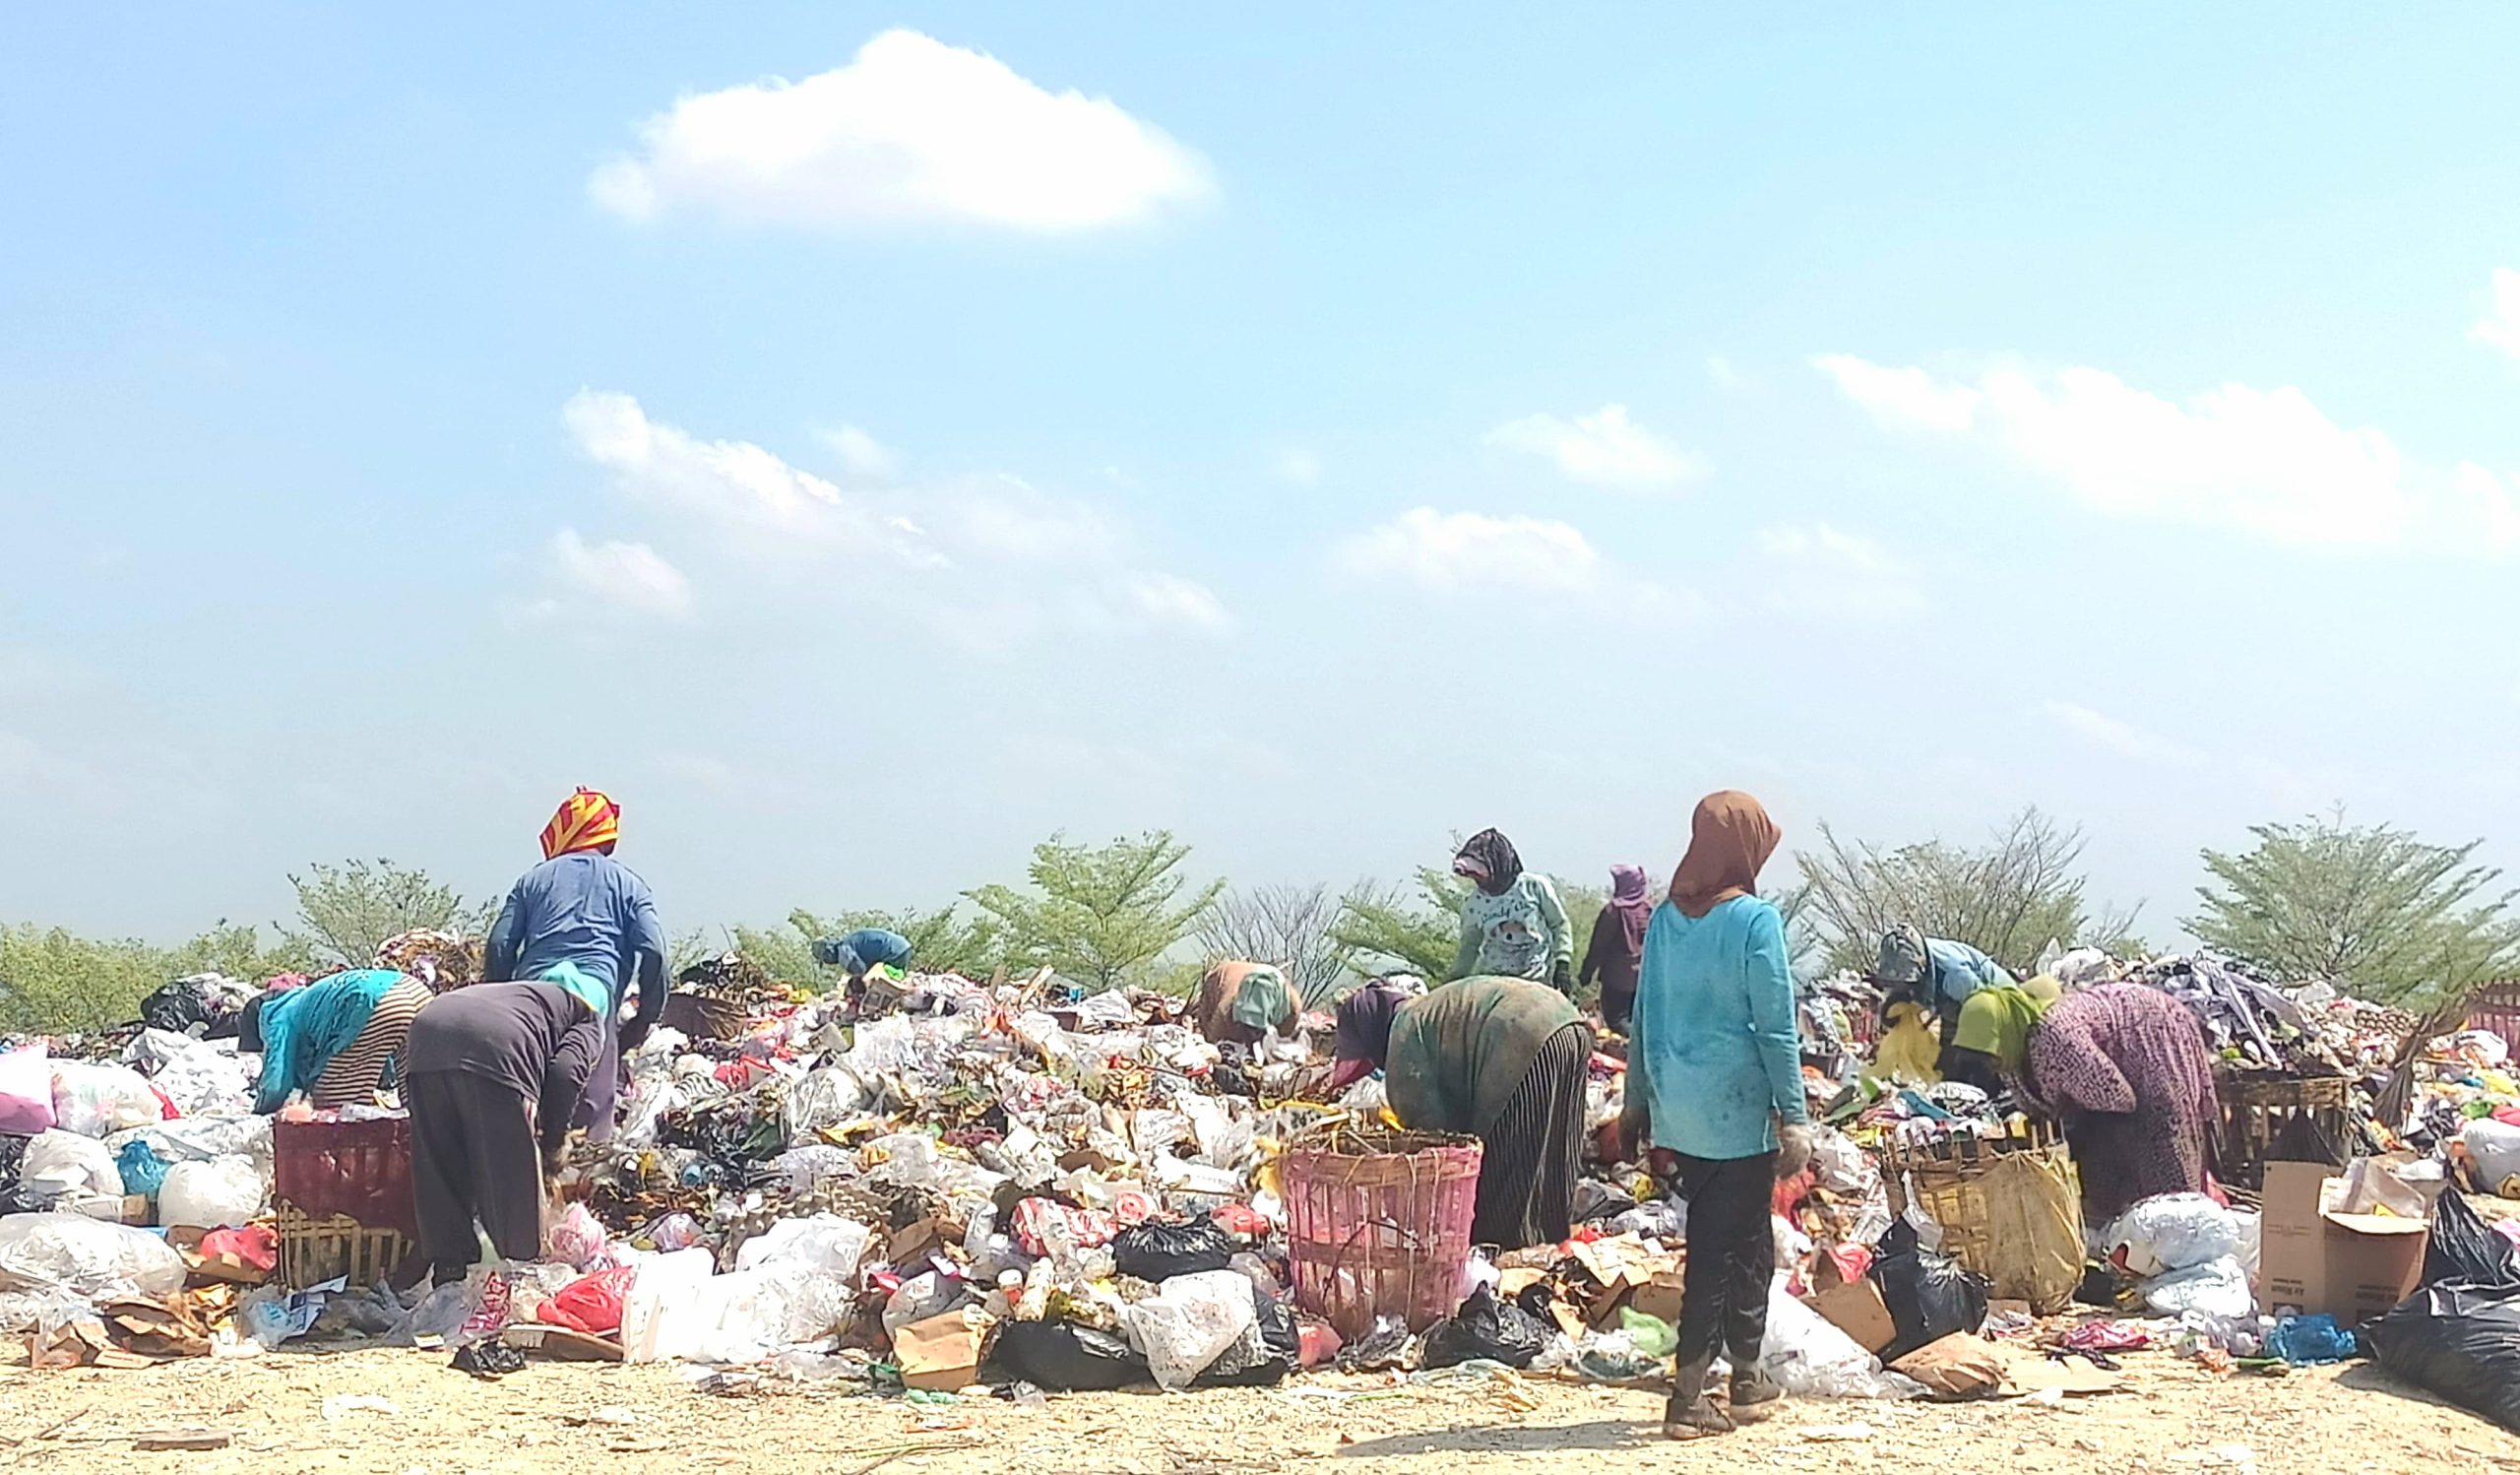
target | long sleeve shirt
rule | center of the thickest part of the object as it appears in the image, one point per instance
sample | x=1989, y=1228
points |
x=589, y=909
x=533, y=1039
x=1959, y=971
x=1458, y=1053
x=1520, y=932
x=1607, y=957
x=1714, y=1037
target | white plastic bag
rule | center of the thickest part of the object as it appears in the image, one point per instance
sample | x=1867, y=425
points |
x=98, y=1100
x=824, y=1243
x=668, y=1289
x=1190, y=1323
x=196, y=1076
x=2217, y=1288
x=26, y=1091
x=572, y=1236
x=829, y=1097
x=925, y=1295
x=61, y=1165
x=222, y=1193
x=2170, y=1232
x=87, y=1257
x=1812, y=1359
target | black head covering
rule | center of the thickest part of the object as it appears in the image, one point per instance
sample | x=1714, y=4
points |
x=1365, y=1022
x=1488, y=859
x=249, y=1025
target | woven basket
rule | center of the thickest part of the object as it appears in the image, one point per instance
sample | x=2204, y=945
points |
x=2027, y=1244
x=1381, y=1233
x=314, y=1250
x=704, y=1016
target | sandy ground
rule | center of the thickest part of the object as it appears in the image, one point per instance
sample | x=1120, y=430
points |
x=2174, y=1418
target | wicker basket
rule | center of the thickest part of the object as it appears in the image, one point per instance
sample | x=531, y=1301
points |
x=1380, y=1233
x=1947, y=1180
x=314, y=1250
x=2280, y=1118
x=704, y=1016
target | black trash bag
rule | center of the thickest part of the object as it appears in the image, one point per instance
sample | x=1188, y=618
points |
x=1383, y=1347
x=1281, y=1349
x=2459, y=1341
x=2464, y=1248
x=1159, y=1251
x=1065, y=1358
x=1930, y=1296
x=14, y=1197
x=1485, y=1328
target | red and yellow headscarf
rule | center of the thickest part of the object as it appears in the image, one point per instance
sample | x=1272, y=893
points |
x=587, y=819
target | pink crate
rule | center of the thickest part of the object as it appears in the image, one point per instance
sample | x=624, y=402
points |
x=2498, y=1008
x=361, y=1170
x=1375, y=1234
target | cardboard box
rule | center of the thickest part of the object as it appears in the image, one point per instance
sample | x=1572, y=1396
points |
x=1658, y=1295
x=942, y=1354
x=2351, y=1266
x=1856, y=1309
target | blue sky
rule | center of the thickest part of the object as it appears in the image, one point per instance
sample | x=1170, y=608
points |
x=869, y=440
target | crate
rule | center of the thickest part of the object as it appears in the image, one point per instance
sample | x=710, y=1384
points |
x=704, y=1016
x=2496, y=1007
x=314, y=1250
x=1380, y=1233
x=2280, y=1118
x=355, y=1169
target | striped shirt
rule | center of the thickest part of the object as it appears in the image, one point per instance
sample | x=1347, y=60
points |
x=373, y=1060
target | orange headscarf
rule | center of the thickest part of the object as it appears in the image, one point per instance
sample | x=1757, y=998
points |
x=587, y=819
x=1730, y=839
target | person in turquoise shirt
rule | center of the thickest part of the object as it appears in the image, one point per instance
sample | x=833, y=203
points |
x=1512, y=923
x=1715, y=1079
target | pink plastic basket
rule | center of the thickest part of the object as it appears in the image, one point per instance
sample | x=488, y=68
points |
x=361, y=1170
x=1381, y=1233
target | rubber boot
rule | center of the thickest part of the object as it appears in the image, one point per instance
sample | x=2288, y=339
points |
x=1755, y=1394
x=1690, y=1414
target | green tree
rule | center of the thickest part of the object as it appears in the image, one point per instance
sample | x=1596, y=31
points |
x=2374, y=909
x=2009, y=897
x=345, y=911
x=1103, y=915
x=1390, y=928
x=55, y=982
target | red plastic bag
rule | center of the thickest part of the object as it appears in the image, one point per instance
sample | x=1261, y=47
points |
x=255, y=1245
x=591, y=1303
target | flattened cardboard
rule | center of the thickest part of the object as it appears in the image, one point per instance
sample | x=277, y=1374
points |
x=1856, y=1309
x=942, y=1354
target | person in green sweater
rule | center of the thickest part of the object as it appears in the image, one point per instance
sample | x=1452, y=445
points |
x=1502, y=1060
x=1512, y=924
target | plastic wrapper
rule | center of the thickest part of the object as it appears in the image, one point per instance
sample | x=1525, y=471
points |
x=273, y=1317
x=572, y=1236
x=2309, y=1341
x=1189, y=1323
x=1656, y=1219
x=1812, y=1359
x=143, y=1171
x=64, y=1164
x=824, y=1244
x=26, y=1091
x=87, y=1257
x=217, y=1194
x=1487, y=1329
x=826, y=1098
x=1263, y=1357
x=96, y=1100
x=1930, y=1296
x=928, y=1294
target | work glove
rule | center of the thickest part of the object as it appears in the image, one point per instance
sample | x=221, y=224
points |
x=1792, y=1150
x=1563, y=977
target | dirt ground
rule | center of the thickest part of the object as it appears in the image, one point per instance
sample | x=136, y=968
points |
x=2174, y=1418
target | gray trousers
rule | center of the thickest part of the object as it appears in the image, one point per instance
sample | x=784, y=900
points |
x=473, y=1156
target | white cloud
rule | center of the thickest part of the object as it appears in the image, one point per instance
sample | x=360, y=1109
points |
x=1169, y=599
x=2502, y=327
x=861, y=455
x=2121, y=738
x=733, y=482
x=1824, y=572
x=2485, y=505
x=1601, y=449
x=2267, y=462
x=1455, y=550
x=911, y=131
x=1006, y=516
x=628, y=578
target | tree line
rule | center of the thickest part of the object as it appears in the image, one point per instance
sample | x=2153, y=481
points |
x=2374, y=909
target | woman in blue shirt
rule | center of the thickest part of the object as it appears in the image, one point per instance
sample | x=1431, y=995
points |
x=1715, y=1078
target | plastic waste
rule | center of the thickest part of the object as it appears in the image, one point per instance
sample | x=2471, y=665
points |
x=823, y=1243
x=1811, y=1359
x=1159, y=1251
x=273, y=1317
x=2463, y=1248
x=198, y=1078
x=572, y=1236
x=84, y=1257
x=63, y=1165
x=96, y=1099
x=2170, y=1232
x=1655, y=1219
x=591, y=1303
x=2460, y=1341
x=217, y=1194
x=1265, y=1356
x=928, y=1294
x=1189, y=1323
x=26, y=1091
x=1386, y=1345
x=143, y=1171
x=1485, y=1328
x=2494, y=1148
x=1930, y=1296
x=1066, y=1358
x=1652, y=1335
x=2306, y=1341
x=2217, y=1288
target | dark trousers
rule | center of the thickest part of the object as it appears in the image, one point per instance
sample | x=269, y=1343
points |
x=1724, y=1290
x=473, y=1156
x=599, y=1110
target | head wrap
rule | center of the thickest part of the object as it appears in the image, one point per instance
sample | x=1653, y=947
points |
x=1630, y=908
x=1488, y=859
x=1731, y=836
x=588, y=818
x=1997, y=1022
x=1628, y=883
x=581, y=986
x=1365, y=1022
x=1903, y=957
